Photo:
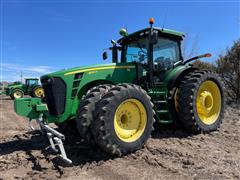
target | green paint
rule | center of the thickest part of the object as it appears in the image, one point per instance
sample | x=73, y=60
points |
x=27, y=88
x=123, y=72
x=29, y=107
x=113, y=73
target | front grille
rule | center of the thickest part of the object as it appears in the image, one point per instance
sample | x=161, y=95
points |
x=55, y=94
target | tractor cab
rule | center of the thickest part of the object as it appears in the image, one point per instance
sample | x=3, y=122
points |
x=155, y=52
x=31, y=82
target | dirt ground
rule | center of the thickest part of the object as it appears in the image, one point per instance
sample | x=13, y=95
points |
x=171, y=153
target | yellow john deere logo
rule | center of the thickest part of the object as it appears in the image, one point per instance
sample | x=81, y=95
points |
x=98, y=69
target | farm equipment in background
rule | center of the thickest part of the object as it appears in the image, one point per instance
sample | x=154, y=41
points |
x=115, y=105
x=31, y=87
x=3, y=87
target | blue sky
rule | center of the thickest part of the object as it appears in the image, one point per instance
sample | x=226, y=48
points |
x=38, y=37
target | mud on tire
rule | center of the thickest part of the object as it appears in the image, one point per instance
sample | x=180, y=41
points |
x=104, y=128
x=189, y=88
x=86, y=110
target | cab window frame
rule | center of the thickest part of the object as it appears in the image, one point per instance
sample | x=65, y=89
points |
x=178, y=43
x=160, y=35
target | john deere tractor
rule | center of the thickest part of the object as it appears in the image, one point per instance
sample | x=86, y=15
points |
x=31, y=87
x=114, y=106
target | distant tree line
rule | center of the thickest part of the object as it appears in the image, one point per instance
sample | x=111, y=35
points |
x=228, y=67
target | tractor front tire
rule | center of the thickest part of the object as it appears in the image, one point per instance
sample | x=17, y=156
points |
x=17, y=93
x=201, y=102
x=124, y=120
x=86, y=110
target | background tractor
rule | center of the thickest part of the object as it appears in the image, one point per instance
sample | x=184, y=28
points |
x=115, y=105
x=31, y=87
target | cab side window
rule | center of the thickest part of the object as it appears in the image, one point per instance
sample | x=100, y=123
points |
x=166, y=53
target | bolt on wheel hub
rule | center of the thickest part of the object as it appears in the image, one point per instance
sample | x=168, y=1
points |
x=130, y=120
x=208, y=102
x=39, y=92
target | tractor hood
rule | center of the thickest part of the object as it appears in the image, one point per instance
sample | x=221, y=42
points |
x=10, y=88
x=80, y=69
x=15, y=86
x=64, y=88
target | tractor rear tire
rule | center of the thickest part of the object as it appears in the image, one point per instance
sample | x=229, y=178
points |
x=86, y=112
x=17, y=93
x=201, y=101
x=38, y=92
x=124, y=120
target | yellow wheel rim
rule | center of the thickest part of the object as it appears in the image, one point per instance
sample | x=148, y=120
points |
x=208, y=102
x=130, y=120
x=39, y=92
x=17, y=94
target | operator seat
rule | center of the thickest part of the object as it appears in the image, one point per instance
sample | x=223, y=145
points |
x=158, y=70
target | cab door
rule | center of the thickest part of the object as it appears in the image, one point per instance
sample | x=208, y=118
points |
x=166, y=52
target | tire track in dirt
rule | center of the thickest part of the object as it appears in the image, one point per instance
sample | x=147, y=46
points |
x=171, y=153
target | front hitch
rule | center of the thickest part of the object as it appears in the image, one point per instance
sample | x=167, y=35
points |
x=33, y=108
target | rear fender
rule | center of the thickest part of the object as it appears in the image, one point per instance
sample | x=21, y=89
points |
x=14, y=89
x=176, y=79
x=9, y=91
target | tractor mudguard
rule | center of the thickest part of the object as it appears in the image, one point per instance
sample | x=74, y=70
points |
x=31, y=108
x=8, y=91
x=177, y=77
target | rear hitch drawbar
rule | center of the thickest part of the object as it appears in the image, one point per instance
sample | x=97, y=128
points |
x=55, y=139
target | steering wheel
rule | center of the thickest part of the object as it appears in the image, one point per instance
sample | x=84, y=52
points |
x=162, y=63
x=142, y=55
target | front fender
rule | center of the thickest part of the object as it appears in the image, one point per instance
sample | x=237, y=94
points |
x=175, y=78
x=9, y=91
x=90, y=85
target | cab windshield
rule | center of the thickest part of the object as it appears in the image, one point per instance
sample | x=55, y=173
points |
x=136, y=51
x=165, y=51
x=31, y=81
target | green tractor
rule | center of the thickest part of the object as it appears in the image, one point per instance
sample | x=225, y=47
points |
x=115, y=105
x=3, y=89
x=31, y=87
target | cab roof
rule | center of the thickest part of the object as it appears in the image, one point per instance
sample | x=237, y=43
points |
x=142, y=32
x=31, y=79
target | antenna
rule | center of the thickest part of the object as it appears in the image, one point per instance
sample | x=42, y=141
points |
x=21, y=75
x=165, y=18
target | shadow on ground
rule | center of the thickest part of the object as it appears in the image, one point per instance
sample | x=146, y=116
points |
x=80, y=153
x=169, y=131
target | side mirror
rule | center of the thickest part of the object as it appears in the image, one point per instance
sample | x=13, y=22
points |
x=113, y=42
x=154, y=37
x=104, y=55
